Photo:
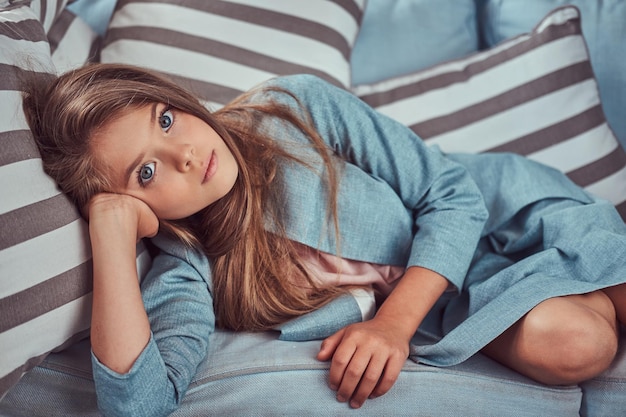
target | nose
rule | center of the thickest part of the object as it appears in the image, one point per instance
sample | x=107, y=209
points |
x=184, y=157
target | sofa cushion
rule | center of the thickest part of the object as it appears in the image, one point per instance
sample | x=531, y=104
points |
x=45, y=284
x=47, y=11
x=401, y=36
x=534, y=95
x=96, y=13
x=72, y=42
x=604, y=30
x=253, y=374
x=219, y=49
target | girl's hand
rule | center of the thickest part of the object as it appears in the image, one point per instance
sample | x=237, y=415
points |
x=120, y=328
x=366, y=359
x=122, y=211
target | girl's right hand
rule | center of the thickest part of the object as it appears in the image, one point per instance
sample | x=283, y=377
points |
x=127, y=214
x=120, y=328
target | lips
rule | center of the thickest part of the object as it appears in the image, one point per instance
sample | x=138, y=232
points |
x=211, y=168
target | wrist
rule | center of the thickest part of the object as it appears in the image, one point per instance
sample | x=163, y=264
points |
x=411, y=300
x=400, y=325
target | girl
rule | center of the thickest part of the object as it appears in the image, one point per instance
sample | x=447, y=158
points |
x=270, y=207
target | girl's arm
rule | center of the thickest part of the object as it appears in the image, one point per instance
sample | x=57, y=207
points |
x=368, y=357
x=445, y=204
x=448, y=213
x=119, y=324
x=148, y=337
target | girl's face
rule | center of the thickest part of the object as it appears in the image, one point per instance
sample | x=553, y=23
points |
x=173, y=161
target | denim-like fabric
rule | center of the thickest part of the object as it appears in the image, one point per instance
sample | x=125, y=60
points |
x=247, y=374
x=177, y=298
x=392, y=186
x=400, y=203
x=323, y=322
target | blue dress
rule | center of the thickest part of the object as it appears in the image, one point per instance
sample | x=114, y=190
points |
x=506, y=232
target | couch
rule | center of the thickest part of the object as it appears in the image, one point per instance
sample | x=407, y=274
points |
x=534, y=77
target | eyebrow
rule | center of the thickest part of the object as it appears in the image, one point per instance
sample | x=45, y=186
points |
x=137, y=161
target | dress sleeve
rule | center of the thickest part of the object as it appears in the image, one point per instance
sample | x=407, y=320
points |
x=180, y=309
x=447, y=206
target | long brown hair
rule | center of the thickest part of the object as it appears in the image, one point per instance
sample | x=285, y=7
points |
x=257, y=274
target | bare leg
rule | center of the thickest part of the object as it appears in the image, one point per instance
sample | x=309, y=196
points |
x=617, y=294
x=563, y=340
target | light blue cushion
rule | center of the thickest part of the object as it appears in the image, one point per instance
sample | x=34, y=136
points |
x=398, y=37
x=604, y=28
x=253, y=374
x=96, y=13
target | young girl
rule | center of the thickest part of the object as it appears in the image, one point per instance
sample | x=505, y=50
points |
x=270, y=207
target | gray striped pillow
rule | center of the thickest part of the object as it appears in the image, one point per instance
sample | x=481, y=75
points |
x=46, y=10
x=45, y=267
x=72, y=42
x=534, y=94
x=221, y=48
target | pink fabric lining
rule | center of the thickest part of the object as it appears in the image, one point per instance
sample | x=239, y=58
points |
x=329, y=269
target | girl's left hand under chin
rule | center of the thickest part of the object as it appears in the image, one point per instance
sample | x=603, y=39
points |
x=366, y=358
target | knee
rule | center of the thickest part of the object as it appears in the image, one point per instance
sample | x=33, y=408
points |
x=582, y=357
x=573, y=350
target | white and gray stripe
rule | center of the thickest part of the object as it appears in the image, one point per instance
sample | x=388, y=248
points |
x=45, y=257
x=221, y=48
x=46, y=10
x=72, y=42
x=534, y=95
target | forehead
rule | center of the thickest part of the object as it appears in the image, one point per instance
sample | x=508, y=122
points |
x=122, y=138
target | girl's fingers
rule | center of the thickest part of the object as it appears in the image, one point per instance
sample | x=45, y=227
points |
x=393, y=367
x=348, y=371
x=366, y=361
x=341, y=359
x=329, y=345
x=368, y=381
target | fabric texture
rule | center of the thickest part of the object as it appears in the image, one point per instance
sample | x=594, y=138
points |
x=176, y=293
x=72, y=42
x=604, y=30
x=252, y=374
x=226, y=47
x=176, y=286
x=534, y=95
x=46, y=11
x=402, y=36
x=531, y=247
x=222, y=379
x=45, y=284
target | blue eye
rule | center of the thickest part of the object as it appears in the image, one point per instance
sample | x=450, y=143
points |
x=166, y=119
x=146, y=173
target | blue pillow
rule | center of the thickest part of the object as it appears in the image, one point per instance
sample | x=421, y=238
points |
x=96, y=13
x=402, y=36
x=604, y=28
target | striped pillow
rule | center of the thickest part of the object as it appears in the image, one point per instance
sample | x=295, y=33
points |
x=221, y=48
x=45, y=276
x=47, y=10
x=72, y=42
x=534, y=94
